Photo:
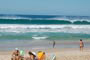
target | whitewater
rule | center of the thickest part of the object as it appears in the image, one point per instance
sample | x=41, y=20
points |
x=16, y=28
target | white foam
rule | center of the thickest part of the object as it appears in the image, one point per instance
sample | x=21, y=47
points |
x=39, y=38
x=44, y=28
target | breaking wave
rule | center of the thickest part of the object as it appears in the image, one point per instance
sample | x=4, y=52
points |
x=43, y=19
x=45, y=28
x=26, y=21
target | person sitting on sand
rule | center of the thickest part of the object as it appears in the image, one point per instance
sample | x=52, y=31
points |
x=32, y=56
x=16, y=55
x=81, y=45
x=41, y=55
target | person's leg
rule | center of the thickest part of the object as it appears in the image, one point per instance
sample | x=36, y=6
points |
x=13, y=58
x=80, y=48
x=53, y=45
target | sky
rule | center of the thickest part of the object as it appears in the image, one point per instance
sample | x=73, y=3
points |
x=45, y=7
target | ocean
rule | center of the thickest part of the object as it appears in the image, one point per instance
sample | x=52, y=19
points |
x=36, y=30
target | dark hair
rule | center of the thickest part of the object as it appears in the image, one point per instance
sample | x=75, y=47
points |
x=80, y=39
x=43, y=52
x=30, y=53
x=17, y=50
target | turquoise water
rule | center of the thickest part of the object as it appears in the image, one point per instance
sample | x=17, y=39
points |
x=43, y=21
x=38, y=31
x=48, y=35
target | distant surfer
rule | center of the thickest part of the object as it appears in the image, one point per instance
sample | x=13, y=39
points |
x=81, y=45
x=54, y=44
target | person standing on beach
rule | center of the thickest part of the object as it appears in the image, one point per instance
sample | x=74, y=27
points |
x=81, y=45
x=54, y=44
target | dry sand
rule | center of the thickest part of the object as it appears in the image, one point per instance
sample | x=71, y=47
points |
x=61, y=54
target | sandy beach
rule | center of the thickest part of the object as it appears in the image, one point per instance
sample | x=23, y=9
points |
x=61, y=54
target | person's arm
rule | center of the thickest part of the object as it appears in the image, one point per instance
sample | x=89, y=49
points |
x=44, y=57
x=13, y=54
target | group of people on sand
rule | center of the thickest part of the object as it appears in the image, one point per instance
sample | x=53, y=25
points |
x=18, y=55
